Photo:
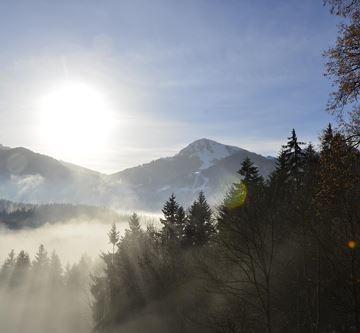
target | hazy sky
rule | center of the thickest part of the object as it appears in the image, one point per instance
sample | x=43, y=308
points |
x=242, y=72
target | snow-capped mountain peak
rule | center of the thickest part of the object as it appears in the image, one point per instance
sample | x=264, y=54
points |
x=203, y=165
x=208, y=151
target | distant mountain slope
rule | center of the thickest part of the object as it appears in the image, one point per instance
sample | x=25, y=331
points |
x=205, y=165
x=26, y=176
x=21, y=161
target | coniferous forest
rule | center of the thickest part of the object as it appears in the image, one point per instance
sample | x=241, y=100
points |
x=278, y=254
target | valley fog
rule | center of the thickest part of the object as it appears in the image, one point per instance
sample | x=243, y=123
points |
x=166, y=167
x=55, y=294
x=69, y=240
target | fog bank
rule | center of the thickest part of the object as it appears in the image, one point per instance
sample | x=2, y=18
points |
x=70, y=240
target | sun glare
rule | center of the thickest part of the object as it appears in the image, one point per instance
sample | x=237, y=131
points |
x=75, y=117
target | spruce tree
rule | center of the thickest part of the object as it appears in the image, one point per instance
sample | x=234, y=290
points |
x=8, y=267
x=200, y=225
x=21, y=269
x=41, y=261
x=22, y=261
x=114, y=237
x=55, y=270
x=326, y=139
x=311, y=158
x=181, y=220
x=250, y=172
x=39, y=269
x=280, y=173
x=280, y=188
x=294, y=156
x=134, y=224
x=173, y=219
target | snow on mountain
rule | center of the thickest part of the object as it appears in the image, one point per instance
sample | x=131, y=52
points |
x=208, y=151
x=203, y=165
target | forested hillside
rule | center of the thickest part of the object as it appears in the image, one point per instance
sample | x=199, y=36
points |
x=218, y=239
x=277, y=255
x=19, y=215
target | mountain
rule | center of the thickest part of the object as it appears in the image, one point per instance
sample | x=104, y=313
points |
x=205, y=164
x=26, y=176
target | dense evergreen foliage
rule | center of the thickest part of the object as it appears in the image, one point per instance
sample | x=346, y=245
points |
x=19, y=215
x=279, y=255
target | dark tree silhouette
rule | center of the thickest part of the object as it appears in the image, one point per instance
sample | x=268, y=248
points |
x=250, y=172
x=200, y=225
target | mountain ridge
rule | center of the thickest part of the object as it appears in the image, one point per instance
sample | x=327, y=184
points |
x=204, y=164
x=180, y=152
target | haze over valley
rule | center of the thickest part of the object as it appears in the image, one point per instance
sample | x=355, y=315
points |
x=68, y=207
x=180, y=166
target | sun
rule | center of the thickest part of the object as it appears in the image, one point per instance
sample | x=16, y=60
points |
x=75, y=118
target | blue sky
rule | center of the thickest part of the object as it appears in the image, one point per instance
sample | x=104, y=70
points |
x=242, y=72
